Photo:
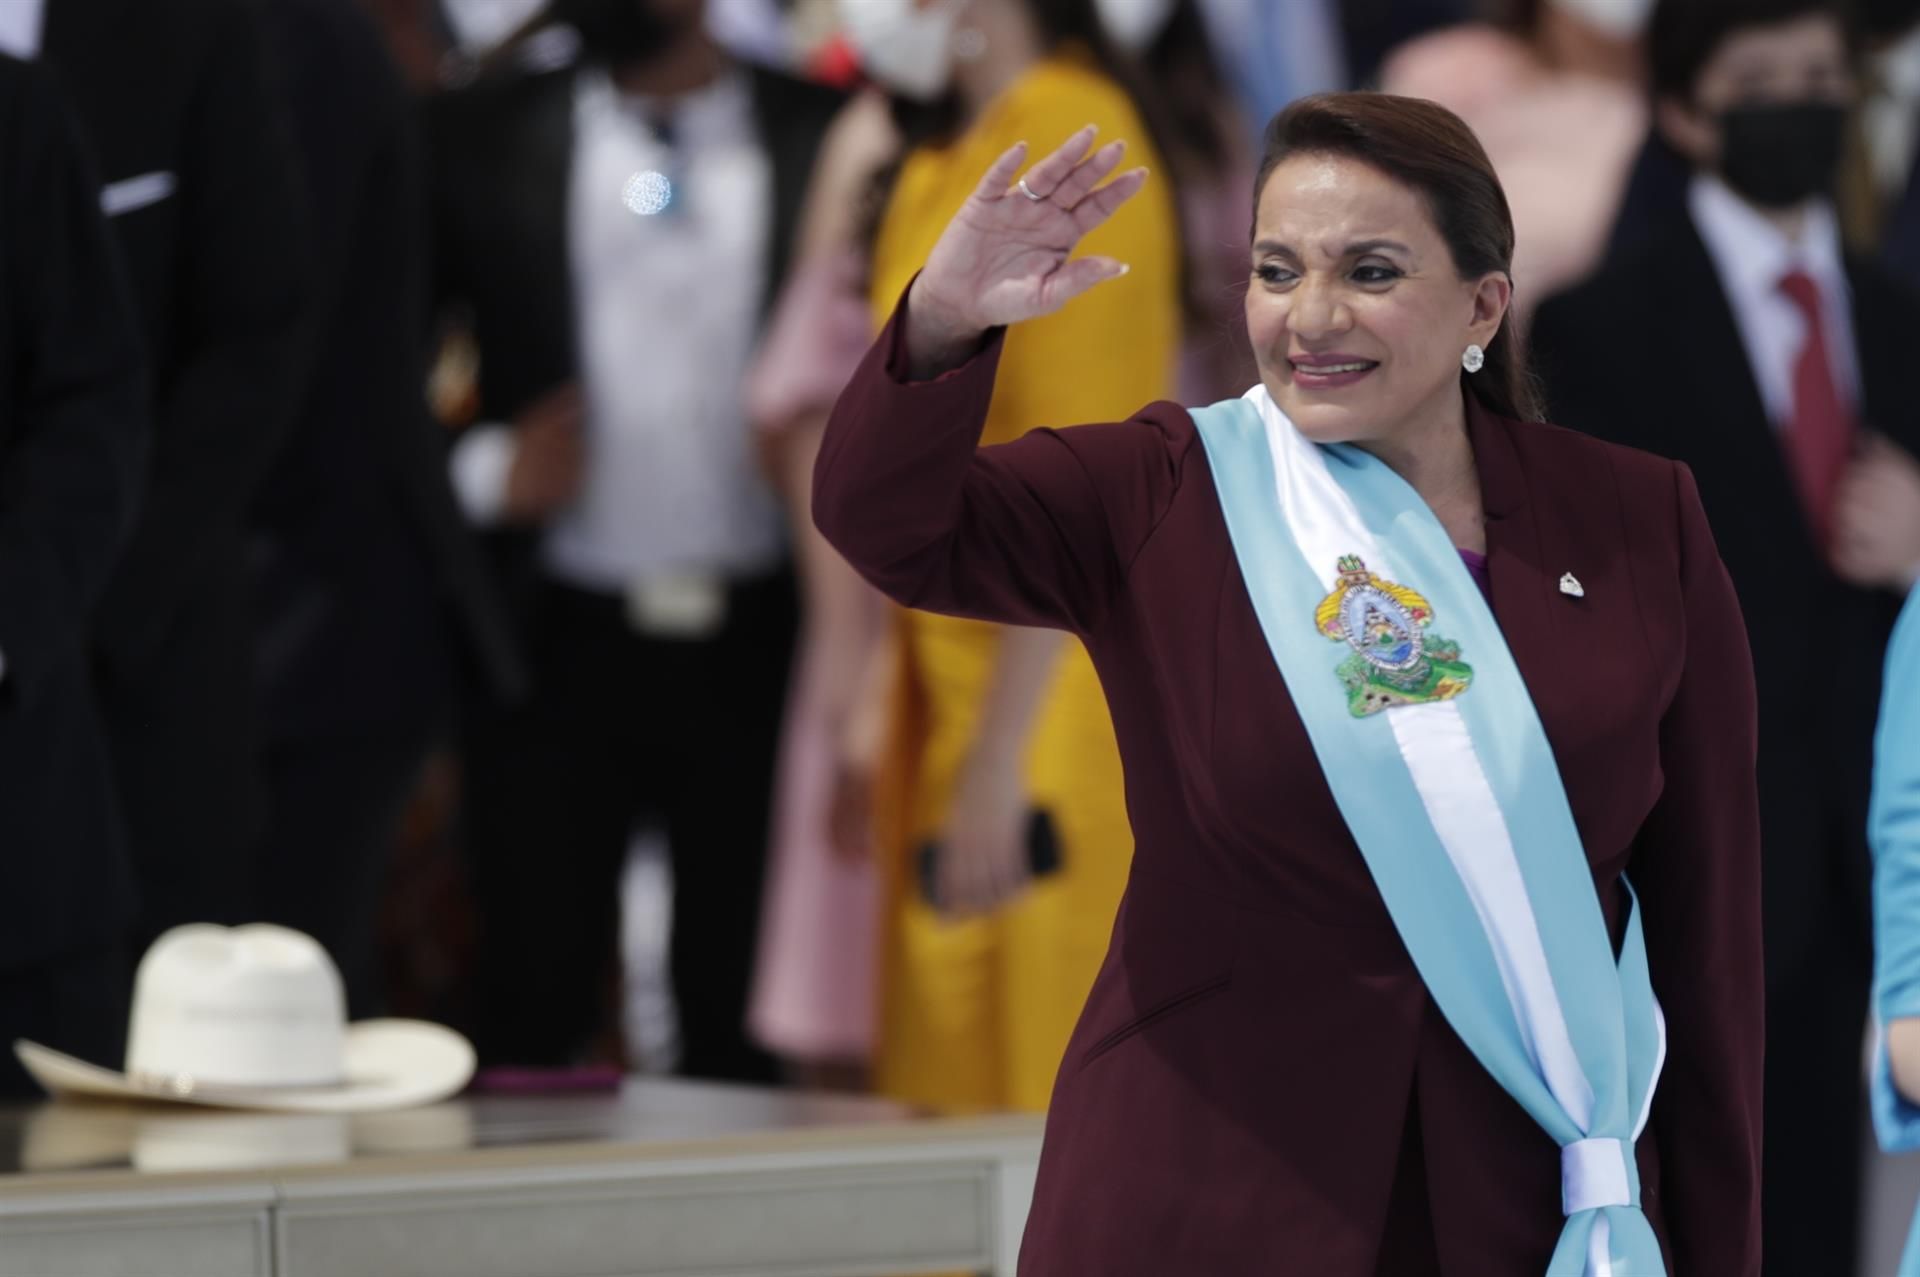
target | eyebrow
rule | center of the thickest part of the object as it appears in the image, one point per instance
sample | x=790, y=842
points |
x=1358, y=249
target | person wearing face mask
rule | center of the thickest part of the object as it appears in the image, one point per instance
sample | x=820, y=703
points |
x=614, y=232
x=1006, y=841
x=1441, y=949
x=1744, y=343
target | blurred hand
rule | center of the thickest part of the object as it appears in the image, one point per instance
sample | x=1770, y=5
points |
x=1903, y=1054
x=983, y=853
x=1005, y=257
x=548, y=459
x=1876, y=522
x=862, y=736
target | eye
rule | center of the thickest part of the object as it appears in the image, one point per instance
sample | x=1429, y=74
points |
x=1373, y=273
x=1274, y=274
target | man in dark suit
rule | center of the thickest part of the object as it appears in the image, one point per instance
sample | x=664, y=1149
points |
x=174, y=97
x=614, y=232
x=73, y=438
x=366, y=582
x=1741, y=342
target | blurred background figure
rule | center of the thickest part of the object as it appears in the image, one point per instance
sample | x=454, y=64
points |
x=1742, y=343
x=1558, y=103
x=479, y=26
x=367, y=588
x=814, y=983
x=613, y=233
x=1206, y=141
x=1896, y=905
x=73, y=444
x=1273, y=51
x=1887, y=198
x=176, y=100
x=1004, y=838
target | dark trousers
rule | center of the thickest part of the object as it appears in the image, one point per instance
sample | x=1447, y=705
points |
x=334, y=808
x=625, y=729
x=75, y=1003
x=1815, y=1104
x=1816, y=880
x=182, y=733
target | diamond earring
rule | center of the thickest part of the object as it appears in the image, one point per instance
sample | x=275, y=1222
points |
x=1474, y=360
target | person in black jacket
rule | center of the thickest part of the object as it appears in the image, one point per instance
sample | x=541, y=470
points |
x=175, y=98
x=73, y=446
x=613, y=233
x=366, y=583
x=1742, y=341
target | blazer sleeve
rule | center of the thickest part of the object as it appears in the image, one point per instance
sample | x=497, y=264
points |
x=1039, y=532
x=238, y=329
x=1697, y=872
x=70, y=480
x=1895, y=829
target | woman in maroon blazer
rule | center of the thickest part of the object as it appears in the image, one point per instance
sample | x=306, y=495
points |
x=1263, y=1081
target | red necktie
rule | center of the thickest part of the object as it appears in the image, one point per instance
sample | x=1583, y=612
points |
x=1820, y=435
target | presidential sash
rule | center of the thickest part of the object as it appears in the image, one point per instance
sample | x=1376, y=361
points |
x=1435, y=753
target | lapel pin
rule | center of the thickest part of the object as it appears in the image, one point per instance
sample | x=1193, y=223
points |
x=1571, y=587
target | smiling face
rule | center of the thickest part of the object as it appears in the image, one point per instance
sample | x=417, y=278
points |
x=1357, y=312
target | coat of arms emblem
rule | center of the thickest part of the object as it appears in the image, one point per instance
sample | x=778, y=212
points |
x=1395, y=659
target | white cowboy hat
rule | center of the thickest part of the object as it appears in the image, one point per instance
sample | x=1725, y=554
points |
x=254, y=1018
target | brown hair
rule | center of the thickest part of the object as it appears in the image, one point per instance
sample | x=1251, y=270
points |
x=1430, y=149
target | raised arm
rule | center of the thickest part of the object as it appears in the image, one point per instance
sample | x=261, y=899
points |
x=1697, y=869
x=1038, y=532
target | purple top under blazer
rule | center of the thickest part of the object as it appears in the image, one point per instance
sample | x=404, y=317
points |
x=1260, y=1083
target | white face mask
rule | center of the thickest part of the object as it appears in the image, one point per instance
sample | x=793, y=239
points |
x=1621, y=19
x=1135, y=24
x=906, y=48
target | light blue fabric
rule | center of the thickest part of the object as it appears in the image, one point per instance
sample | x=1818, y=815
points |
x=1894, y=827
x=1610, y=1012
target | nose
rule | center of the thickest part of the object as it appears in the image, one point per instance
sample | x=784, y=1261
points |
x=1315, y=309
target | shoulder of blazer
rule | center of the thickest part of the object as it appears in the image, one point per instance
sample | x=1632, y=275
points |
x=476, y=114
x=784, y=102
x=1561, y=464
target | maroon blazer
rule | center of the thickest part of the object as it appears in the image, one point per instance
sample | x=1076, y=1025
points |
x=1259, y=1083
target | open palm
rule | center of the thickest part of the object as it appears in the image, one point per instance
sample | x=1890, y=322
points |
x=1007, y=254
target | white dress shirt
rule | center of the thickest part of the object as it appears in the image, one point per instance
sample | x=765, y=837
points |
x=667, y=308
x=21, y=24
x=1751, y=256
x=667, y=312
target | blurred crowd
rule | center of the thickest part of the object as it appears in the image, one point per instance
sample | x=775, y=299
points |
x=407, y=414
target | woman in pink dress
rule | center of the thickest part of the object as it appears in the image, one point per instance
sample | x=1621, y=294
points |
x=814, y=988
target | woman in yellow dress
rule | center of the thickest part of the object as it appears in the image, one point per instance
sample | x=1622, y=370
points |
x=986, y=962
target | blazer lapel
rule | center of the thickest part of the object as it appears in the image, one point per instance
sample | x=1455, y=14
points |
x=1566, y=640
x=1520, y=582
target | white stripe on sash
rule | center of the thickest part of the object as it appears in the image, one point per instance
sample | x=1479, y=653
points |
x=1447, y=773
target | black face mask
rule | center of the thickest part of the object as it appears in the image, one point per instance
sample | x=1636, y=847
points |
x=1780, y=155
x=616, y=31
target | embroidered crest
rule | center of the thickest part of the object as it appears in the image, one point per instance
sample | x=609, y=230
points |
x=1395, y=660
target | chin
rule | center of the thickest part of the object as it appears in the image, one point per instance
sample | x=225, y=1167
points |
x=1318, y=419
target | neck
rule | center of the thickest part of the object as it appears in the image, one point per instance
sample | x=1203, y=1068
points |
x=1790, y=222
x=1436, y=458
x=1012, y=46
x=689, y=64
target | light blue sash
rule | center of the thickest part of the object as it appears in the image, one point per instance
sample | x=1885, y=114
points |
x=1460, y=813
